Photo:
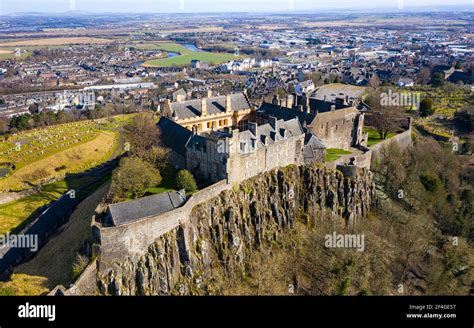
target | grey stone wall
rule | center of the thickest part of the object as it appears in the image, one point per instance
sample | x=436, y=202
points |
x=119, y=243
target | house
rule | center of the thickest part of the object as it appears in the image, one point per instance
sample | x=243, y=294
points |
x=405, y=82
x=305, y=87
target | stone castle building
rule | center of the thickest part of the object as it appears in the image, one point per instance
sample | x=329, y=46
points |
x=336, y=125
x=223, y=138
x=210, y=113
x=236, y=155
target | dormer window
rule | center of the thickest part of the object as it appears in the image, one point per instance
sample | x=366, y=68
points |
x=243, y=147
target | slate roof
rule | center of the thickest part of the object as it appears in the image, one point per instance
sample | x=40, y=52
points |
x=174, y=135
x=270, y=133
x=286, y=114
x=312, y=145
x=215, y=105
x=134, y=210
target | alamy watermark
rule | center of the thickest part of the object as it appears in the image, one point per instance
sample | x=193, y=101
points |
x=400, y=99
x=20, y=241
x=335, y=240
x=68, y=98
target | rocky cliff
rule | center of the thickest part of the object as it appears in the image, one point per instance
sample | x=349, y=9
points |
x=221, y=233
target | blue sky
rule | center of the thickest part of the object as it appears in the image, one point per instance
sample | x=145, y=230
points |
x=163, y=6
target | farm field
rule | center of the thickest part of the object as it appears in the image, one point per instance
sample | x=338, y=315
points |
x=55, y=42
x=186, y=56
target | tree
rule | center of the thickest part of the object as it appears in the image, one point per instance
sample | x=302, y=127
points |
x=3, y=125
x=185, y=180
x=437, y=80
x=383, y=117
x=374, y=81
x=464, y=119
x=143, y=135
x=426, y=107
x=424, y=76
x=133, y=177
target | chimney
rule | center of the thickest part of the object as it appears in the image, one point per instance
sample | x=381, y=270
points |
x=333, y=108
x=228, y=104
x=289, y=101
x=307, y=103
x=209, y=93
x=253, y=128
x=276, y=100
x=180, y=98
x=203, y=106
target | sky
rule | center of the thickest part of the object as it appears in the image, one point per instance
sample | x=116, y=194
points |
x=168, y=6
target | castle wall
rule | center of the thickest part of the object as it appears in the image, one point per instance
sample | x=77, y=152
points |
x=120, y=242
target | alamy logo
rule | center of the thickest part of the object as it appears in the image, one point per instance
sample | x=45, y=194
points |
x=37, y=311
x=400, y=99
x=20, y=241
x=345, y=241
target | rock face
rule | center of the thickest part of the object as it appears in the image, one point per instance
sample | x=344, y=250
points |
x=223, y=231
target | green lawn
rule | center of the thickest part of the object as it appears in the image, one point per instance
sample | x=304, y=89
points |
x=374, y=137
x=333, y=154
x=18, y=213
x=186, y=56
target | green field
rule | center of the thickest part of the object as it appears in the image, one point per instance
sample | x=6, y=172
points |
x=34, y=156
x=333, y=154
x=76, y=148
x=185, y=57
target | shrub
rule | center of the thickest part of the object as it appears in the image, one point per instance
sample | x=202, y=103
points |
x=185, y=180
x=430, y=181
x=426, y=107
x=79, y=265
x=60, y=168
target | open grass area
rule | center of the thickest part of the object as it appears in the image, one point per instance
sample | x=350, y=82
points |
x=24, y=285
x=333, y=154
x=62, y=165
x=374, y=136
x=186, y=56
x=13, y=214
x=38, y=155
x=66, y=161
x=16, y=214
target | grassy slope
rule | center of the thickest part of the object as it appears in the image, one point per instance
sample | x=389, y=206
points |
x=76, y=160
x=24, y=285
x=15, y=213
x=54, y=261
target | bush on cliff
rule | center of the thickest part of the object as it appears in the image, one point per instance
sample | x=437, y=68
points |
x=185, y=180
